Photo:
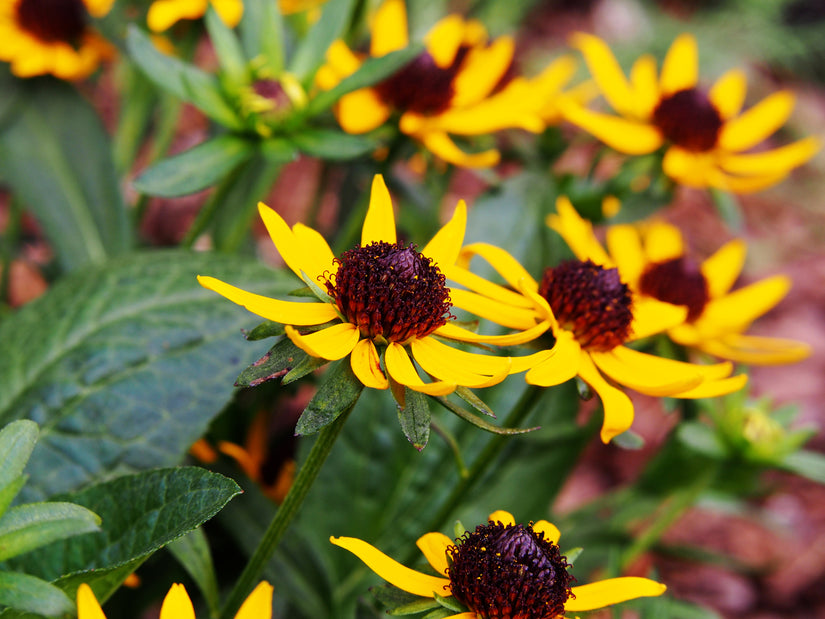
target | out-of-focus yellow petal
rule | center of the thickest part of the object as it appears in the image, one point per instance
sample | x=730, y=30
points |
x=756, y=350
x=688, y=168
x=645, y=373
x=361, y=111
x=646, y=85
x=680, y=69
x=389, y=28
x=734, y=312
x=176, y=604
x=332, y=343
x=606, y=72
x=445, y=246
x=98, y=8
x=503, y=517
x=714, y=388
x=744, y=184
x=444, y=39
x=728, y=93
x=366, y=365
x=342, y=59
x=771, y=161
x=87, y=605
x=618, y=409
x=403, y=371
x=481, y=71
x=434, y=547
x=612, y=591
x=259, y=603
x=457, y=366
x=502, y=261
x=625, y=247
x=163, y=14
x=577, y=232
x=393, y=572
x=663, y=241
x=651, y=316
x=723, y=268
x=559, y=367
x=624, y=135
x=551, y=531
x=230, y=11
x=441, y=145
x=379, y=224
x=757, y=122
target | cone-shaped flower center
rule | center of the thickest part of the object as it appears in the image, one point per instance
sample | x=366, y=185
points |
x=688, y=119
x=678, y=281
x=53, y=20
x=509, y=572
x=590, y=301
x=390, y=290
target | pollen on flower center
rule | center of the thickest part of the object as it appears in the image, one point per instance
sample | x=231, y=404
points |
x=590, y=301
x=678, y=281
x=509, y=572
x=51, y=21
x=688, y=119
x=390, y=290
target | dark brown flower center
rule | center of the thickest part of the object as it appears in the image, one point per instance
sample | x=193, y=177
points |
x=509, y=572
x=678, y=281
x=390, y=290
x=590, y=301
x=53, y=20
x=688, y=119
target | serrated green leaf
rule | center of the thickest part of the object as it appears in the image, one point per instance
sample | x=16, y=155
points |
x=30, y=594
x=192, y=552
x=26, y=527
x=414, y=418
x=198, y=168
x=333, y=145
x=335, y=17
x=339, y=391
x=17, y=441
x=281, y=358
x=125, y=365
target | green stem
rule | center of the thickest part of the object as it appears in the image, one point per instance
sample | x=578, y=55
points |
x=286, y=512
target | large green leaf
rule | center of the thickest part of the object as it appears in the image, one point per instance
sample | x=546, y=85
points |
x=26, y=527
x=124, y=366
x=56, y=156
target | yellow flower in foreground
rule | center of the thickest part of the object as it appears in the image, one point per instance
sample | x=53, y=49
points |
x=163, y=14
x=706, y=133
x=459, y=85
x=40, y=37
x=652, y=259
x=177, y=605
x=502, y=569
x=385, y=299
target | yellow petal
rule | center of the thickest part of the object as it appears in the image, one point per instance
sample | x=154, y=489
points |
x=284, y=312
x=98, y=8
x=756, y=350
x=612, y=591
x=366, y=365
x=393, y=572
x=444, y=39
x=559, y=367
x=736, y=311
x=316, y=246
x=625, y=247
x=259, y=603
x=757, y=122
x=457, y=366
x=528, y=362
x=503, y=517
x=606, y=72
x=332, y=343
x=481, y=71
x=645, y=84
x=500, y=313
x=771, y=161
x=389, y=28
x=744, y=184
x=502, y=261
x=296, y=255
x=165, y=13
x=361, y=111
x=482, y=286
x=87, y=605
x=379, y=224
x=680, y=69
x=651, y=316
x=445, y=246
x=728, y=93
x=342, y=59
x=551, y=532
x=688, y=168
x=454, y=332
x=230, y=11
x=714, y=388
x=645, y=373
x=663, y=242
x=441, y=145
x=624, y=135
x=403, y=371
x=723, y=268
x=176, y=604
x=434, y=547
x=618, y=409
x=577, y=232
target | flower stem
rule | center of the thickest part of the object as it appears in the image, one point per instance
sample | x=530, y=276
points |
x=278, y=526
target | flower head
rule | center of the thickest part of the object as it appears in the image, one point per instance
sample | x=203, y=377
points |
x=705, y=132
x=52, y=37
x=384, y=298
x=502, y=569
x=177, y=605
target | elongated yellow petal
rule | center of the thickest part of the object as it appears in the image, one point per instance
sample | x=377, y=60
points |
x=466, y=278
x=756, y=350
x=688, y=168
x=87, y=605
x=259, y=603
x=389, y=28
x=528, y=362
x=366, y=365
x=457, y=366
x=503, y=262
x=551, y=531
x=736, y=311
x=612, y=591
x=434, y=547
x=393, y=572
x=292, y=251
x=645, y=373
x=663, y=241
x=441, y=145
x=445, y=246
x=501, y=313
x=577, y=232
x=723, y=267
x=230, y=11
x=401, y=368
x=618, y=409
x=444, y=39
x=743, y=184
x=772, y=161
x=651, y=317
x=453, y=332
x=606, y=72
x=625, y=248
x=379, y=224
x=285, y=312
x=361, y=111
x=559, y=367
x=176, y=604
x=503, y=517
x=757, y=122
x=165, y=13
x=481, y=71
x=332, y=343
x=728, y=93
x=714, y=388
x=316, y=246
x=342, y=59
x=645, y=85
x=680, y=69
x=624, y=135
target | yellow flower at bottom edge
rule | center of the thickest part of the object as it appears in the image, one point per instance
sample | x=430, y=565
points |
x=39, y=38
x=502, y=569
x=652, y=259
x=706, y=134
x=384, y=299
x=177, y=605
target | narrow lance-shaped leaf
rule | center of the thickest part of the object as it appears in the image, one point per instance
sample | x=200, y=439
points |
x=339, y=390
x=414, y=418
x=17, y=441
x=309, y=55
x=192, y=552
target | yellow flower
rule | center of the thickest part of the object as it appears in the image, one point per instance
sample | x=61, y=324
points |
x=458, y=86
x=706, y=133
x=39, y=37
x=177, y=605
x=589, y=311
x=382, y=294
x=652, y=260
x=502, y=569
x=163, y=14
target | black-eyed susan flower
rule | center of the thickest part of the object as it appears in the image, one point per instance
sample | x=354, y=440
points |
x=653, y=260
x=383, y=299
x=706, y=134
x=460, y=85
x=502, y=569
x=41, y=37
x=163, y=14
x=177, y=605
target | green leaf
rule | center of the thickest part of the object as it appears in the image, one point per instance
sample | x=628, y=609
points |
x=336, y=16
x=278, y=150
x=227, y=47
x=469, y=396
x=281, y=358
x=702, y=439
x=26, y=527
x=31, y=594
x=334, y=145
x=306, y=366
x=192, y=552
x=262, y=34
x=264, y=330
x=125, y=365
x=17, y=441
x=414, y=418
x=338, y=391
x=56, y=156
x=478, y=421
x=197, y=168
x=450, y=603
x=399, y=602
x=809, y=464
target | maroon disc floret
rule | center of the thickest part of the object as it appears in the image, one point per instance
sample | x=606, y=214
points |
x=53, y=20
x=678, y=281
x=688, y=119
x=390, y=290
